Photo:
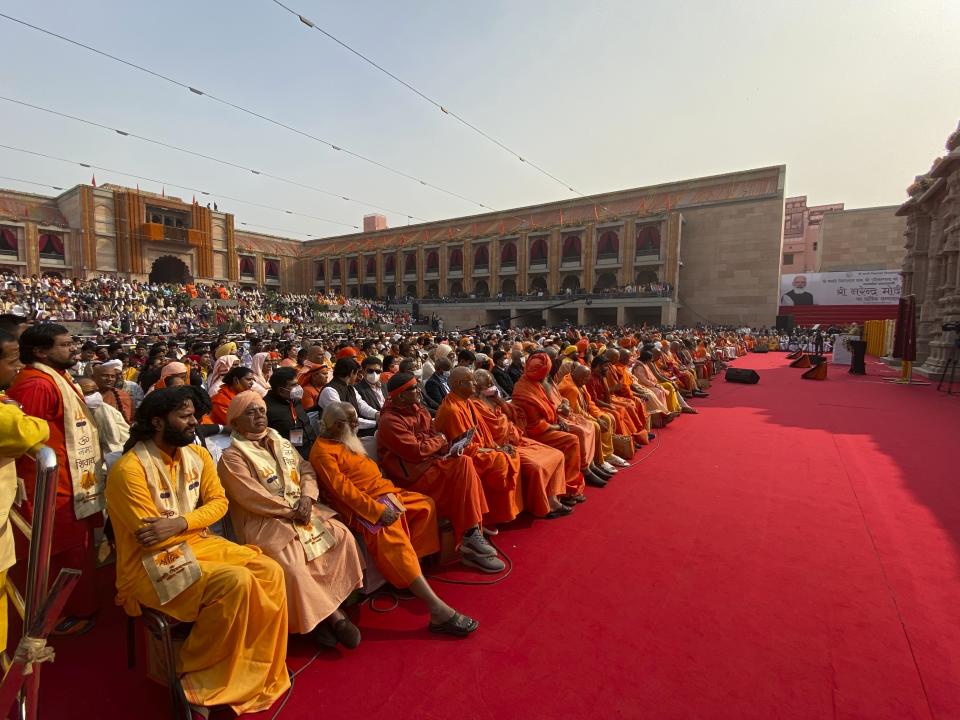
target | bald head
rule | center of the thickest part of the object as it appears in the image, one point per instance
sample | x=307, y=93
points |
x=461, y=381
x=581, y=374
x=612, y=355
x=87, y=386
x=624, y=356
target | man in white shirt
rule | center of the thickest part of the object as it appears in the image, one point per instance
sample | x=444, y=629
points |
x=346, y=372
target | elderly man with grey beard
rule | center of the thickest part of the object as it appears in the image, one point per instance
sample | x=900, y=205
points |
x=398, y=526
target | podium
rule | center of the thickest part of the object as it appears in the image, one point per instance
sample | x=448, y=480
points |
x=858, y=365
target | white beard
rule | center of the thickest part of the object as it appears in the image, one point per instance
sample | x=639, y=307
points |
x=352, y=442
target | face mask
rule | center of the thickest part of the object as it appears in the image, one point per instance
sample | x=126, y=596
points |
x=296, y=392
x=418, y=373
x=490, y=391
x=445, y=374
x=94, y=400
x=373, y=378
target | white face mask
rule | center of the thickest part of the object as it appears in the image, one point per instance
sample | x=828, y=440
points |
x=296, y=392
x=490, y=391
x=418, y=373
x=373, y=378
x=93, y=400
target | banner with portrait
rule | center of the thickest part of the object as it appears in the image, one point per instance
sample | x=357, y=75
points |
x=856, y=287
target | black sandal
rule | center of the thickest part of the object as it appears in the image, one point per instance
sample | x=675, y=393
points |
x=457, y=625
x=561, y=511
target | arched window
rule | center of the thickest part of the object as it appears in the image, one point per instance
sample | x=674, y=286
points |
x=645, y=277
x=353, y=269
x=411, y=290
x=335, y=272
x=456, y=289
x=508, y=255
x=410, y=264
x=508, y=287
x=608, y=246
x=354, y=292
x=481, y=289
x=571, y=283
x=390, y=265
x=271, y=269
x=9, y=245
x=456, y=259
x=433, y=261
x=433, y=290
x=538, y=251
x=481, y=258
x=539, y=284
x=571, y=249
x=648, y=240
x=605, y=281
x=248, y=268
x=371, y=270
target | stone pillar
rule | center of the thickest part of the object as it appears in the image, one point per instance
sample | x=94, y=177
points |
x=582, y=315
x=628, y=251
x=621, y=315
x=467, y=267
x=31, y=248
x=589, y=256
x=523, y=262
x=668, y=314
x=554, y=250
x=421, y=272
x=444, y=255
x=493, y=281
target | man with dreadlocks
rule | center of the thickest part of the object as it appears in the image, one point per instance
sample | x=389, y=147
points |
x=162, y=495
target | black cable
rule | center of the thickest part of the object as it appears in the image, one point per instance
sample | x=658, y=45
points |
x=229, y=163
x=494, y=581
x=446, y=111
x=245, y=110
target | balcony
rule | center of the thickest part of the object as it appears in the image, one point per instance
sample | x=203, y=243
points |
x=432, y=273
x=481, y=269
x=538, y=263
x=508, y=268
x=157, y=232
x=608, y=259
x=571, y=263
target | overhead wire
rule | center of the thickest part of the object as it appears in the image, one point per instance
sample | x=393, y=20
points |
x=436, y=103
x=180, y=186
x=195, y=153
x=248, y=111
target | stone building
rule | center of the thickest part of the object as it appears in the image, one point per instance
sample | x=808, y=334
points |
x=861, y=239
x=802, y=225
x=702, y=250
x=931, y=270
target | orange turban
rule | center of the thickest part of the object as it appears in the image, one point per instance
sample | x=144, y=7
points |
x=347, y=352
x=174, y=368
x=538, y=366
x=582, y=345
x=240, y=403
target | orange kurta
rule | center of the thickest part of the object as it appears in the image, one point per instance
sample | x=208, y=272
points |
x=540, y=413
x=353, y=483
x=499, y=472
x=221, y=401
x=582, y=405
x=410, y=453
x=620, y=383
x=541, y=467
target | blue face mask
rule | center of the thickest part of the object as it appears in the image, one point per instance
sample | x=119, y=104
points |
x=445, y=374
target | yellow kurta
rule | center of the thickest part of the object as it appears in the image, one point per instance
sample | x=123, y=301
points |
x=235, y=654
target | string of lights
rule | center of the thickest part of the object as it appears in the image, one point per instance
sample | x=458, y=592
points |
x=248, y=111
x=180, y=186
x=436, y=103
x=228, y=163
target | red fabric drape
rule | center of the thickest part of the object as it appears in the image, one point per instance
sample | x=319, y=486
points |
x=9, y=238
x=905, y=337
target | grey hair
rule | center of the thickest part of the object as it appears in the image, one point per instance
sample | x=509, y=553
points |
x=332, y=414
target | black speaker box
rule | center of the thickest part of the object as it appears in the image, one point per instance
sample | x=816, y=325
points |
x=741, y=375
x=760, y=348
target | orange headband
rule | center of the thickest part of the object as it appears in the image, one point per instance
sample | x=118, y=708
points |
x=403, y=388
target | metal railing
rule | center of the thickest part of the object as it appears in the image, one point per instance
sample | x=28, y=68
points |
x=39, y=608
x=612, y=295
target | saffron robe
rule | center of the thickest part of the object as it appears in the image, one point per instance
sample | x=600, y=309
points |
x=539, y=413
x=235, y=653
x=221, y=403
x=541, y=467
x=409, y=451
x=582, y=405
x=352, y=484
x=583, y=428
x=315, y=588
x=499, y=472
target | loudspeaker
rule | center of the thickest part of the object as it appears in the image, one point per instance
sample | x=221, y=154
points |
x=742, y=375
x=802, y=362
x=415, y=310
x=817, y=372
x=785, y=323
x=760, y=348
x=795, y=354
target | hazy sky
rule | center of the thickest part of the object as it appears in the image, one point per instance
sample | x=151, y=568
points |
x=854, y=97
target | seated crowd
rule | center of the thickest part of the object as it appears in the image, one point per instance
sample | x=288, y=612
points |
x=247, y=481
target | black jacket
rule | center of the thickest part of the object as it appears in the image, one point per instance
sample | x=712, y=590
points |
x=515, y=371
x=283, y=416
x=434, y=391
x=503, y=380
x=369, y=397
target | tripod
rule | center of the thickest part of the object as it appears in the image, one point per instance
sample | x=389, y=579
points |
x=951, y=367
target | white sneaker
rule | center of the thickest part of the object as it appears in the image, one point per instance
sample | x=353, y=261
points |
x=617, y=461
x=608, y=467
x=490, y=531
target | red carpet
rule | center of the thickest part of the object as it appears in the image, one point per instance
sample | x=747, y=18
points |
x=790, y=553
